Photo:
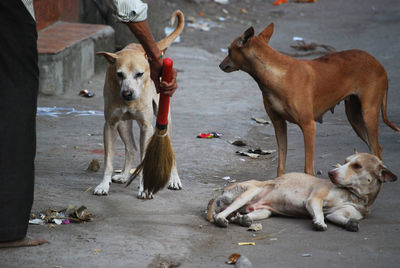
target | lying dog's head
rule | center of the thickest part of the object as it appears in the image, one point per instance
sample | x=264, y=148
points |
x=362, y=174
x=239, y=48
x=131, y=70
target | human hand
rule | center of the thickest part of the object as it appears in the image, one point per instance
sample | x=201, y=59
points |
x=167, y=88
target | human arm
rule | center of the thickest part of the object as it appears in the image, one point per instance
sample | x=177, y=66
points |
x=142, y=32
x=134, y=14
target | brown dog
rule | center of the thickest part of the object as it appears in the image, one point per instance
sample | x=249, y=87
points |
x=345, y=200
x=301, y=91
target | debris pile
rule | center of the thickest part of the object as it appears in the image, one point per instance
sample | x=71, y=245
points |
x=68, y=215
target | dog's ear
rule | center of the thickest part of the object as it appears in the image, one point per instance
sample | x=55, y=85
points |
x=267, y=32
x=386, y=175
x=110, y=57
x=249, y=33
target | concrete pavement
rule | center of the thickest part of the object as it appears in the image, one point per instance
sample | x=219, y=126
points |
x=128, y=232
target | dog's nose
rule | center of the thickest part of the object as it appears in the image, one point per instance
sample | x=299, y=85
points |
x=127, y=95
x=332, y=174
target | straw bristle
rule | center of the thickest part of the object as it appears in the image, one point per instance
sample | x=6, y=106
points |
x=158, y=161
x=134, y=174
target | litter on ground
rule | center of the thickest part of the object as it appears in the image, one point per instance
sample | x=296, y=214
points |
x=261, y=120
x=57, y=111
x=239, y=143
x=233, y=258
x=209, y=135
x=255, y=227
x=64, y=216
x=94, y=165
x=246, y=243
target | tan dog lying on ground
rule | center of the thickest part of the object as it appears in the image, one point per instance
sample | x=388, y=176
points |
x=301, y=91
x=344, y=200
x=130, y=94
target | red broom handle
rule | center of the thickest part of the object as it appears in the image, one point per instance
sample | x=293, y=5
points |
x=163, y=105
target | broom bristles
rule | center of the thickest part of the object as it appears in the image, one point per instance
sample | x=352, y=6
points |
x=157, y=163
x=134, y=174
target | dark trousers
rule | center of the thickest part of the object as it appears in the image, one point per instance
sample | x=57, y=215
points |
x=19, y=76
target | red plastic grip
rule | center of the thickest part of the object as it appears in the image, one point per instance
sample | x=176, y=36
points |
x=163, y=105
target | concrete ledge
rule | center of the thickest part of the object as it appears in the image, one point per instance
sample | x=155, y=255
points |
x=67, y=55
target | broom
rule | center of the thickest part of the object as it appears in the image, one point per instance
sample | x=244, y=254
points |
x=159, y=157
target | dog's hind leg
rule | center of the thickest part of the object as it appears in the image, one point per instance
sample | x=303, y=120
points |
x=354, y=115
x=240, y=201
x=371, y=120
x=110, y=136
x=146, y=130
x=247, y=219
x=126, y=134
x=174, y=181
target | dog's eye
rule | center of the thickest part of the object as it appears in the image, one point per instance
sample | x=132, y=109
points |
x=356, y=166
x=120, y=75
x=138, y=75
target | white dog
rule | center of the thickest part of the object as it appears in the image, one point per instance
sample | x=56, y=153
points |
x=129, y=94
x=344, y=200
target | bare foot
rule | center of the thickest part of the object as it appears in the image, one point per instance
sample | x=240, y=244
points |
x=28, y=241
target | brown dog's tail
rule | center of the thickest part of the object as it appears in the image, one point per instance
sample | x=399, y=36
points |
x=211, y=210
x=384, y=115
x=167, y=41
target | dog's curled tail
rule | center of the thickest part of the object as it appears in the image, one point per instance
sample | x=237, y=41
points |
x=167, y=41
x=384, y=114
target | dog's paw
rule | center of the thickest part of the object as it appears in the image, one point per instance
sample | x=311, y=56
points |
x=318, y=226
x=352, y=226
x=145, y=195
x=119, y=178
x=102, y=189
x=246, y=221
x=175, y=184
x=220, y=221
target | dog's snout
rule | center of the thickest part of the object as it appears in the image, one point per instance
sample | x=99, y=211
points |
x=127, y=95
x=332, y=174
x=222, y=66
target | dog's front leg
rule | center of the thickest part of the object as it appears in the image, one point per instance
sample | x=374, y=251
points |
x=280, y=128
x=347, y=217
x=126, y=134
x=308, y=129
x=240, y=201
x=247, y=219
x=110, y=136
x=146, y=130
x=314, y=207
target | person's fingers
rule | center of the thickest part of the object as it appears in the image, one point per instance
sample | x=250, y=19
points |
x=168, y=88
